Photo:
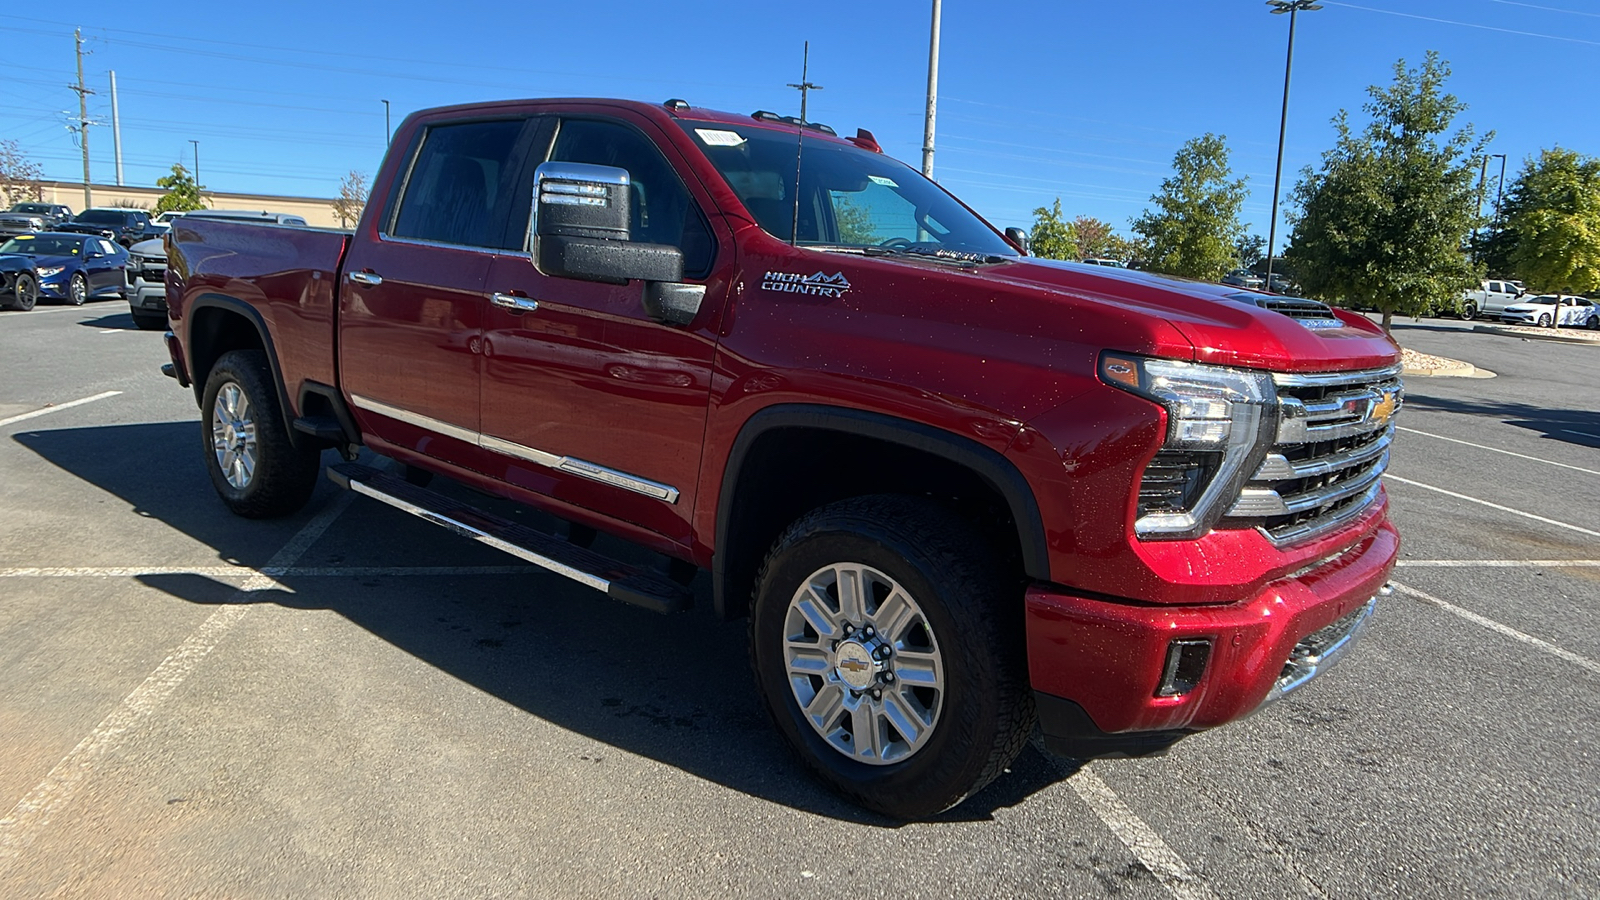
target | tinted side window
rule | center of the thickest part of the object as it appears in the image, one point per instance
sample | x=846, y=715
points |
x=458, y=191
x=663, y=211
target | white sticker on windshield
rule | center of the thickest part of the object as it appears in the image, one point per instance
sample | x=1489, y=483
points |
x=886, y=182
x=716, y=138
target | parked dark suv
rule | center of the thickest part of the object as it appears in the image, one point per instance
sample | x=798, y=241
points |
x=125, y=226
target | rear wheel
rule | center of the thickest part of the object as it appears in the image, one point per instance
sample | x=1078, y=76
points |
x=24, y=292
x=887, y=644
x=253, y=462
x=1593, y=324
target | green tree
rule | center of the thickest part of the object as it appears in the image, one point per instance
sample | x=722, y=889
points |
x=1385, y=220
x=182, y=193
x=1096, y=238
x=1553, y=223
x=1250, y=249
x=1192, y=230
x=855, y=223
x=1052, y=236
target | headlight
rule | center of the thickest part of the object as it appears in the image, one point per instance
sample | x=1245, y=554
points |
x=1220, y=424
x=51, y=271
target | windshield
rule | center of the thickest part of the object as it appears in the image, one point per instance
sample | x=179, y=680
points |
x=54, y=245
x=30, y=208
x=102, y=217
x=849, y=197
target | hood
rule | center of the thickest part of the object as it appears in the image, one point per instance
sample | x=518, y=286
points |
x=1227, y=325
x=15, y=262
x=151, y=249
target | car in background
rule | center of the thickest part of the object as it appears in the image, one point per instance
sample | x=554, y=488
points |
x=30, y=217
x=1282, y=284
x=1243, y=278
x=1103, y=261
x=72, y=267
x=19, y=282
x=1541, y=311
x=1490, y=299
x=124, y=226
x=147, y=261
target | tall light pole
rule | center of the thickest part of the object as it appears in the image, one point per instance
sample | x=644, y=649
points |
x=196, y=168
x=933, y=95
x=388, y=133
x=1279, y=7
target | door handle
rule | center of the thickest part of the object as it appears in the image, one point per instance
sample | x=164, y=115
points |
x=514, y=303
x=367, y=278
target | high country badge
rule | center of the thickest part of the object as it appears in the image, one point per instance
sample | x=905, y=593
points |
x=818, y=285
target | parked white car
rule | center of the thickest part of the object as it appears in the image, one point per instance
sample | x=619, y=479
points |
x=1575, y=311
x=1491, y=298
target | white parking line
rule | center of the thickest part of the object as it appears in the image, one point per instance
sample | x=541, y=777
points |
x=1507, y=630
x=1499, y=563
x=1137, y=835
x=1516, y=512
x=269, y=571
x=1498, y=450
x=1584, y=433
x=58, y=407
x=33, y=812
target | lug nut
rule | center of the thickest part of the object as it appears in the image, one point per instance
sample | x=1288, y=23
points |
x=848, y=629
x=888, y=676
x=869, y=631
x=877, y=695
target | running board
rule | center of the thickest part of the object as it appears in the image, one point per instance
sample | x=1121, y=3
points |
x=640, y=587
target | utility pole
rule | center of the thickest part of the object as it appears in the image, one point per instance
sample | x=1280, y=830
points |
x=116, y=127
x=196, y=168
x=1292, y=7
x=805, y=87
x=1500, y=188
x=933, y=95
x=83, y=118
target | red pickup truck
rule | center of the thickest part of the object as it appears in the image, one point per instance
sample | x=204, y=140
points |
x=957, y=490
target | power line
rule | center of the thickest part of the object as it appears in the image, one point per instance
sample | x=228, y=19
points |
x=1570, y=12
x=1390, y=12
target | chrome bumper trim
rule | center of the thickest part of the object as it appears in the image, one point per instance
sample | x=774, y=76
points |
x=1318, y=651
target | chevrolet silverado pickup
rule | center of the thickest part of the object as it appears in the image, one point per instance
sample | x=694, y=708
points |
x=959, y=492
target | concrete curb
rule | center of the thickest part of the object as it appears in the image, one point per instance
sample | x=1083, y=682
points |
x=1540, y=334
x=1465, y=370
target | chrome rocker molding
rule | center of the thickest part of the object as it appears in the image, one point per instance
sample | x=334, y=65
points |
x=571, y=465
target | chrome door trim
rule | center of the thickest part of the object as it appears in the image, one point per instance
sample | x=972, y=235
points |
x=571, y=465
x=514, y=303
x=367, y=278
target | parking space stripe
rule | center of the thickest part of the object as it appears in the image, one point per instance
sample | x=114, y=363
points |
x=1498, y=564
x=1508, y=631
x=58, y=407
x=1515, y=512
x=269, y=571
x=1536, y=459
x=1137, y=835
x=33, y=812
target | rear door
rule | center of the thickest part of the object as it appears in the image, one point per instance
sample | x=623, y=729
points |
x=586, y=398
x=412, y=307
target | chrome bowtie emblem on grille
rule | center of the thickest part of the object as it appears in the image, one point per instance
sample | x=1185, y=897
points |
x=1385, y=408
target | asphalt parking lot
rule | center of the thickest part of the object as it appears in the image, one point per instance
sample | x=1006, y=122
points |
x=354, y=703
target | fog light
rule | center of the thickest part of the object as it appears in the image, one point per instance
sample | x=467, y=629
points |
x=1186, y=663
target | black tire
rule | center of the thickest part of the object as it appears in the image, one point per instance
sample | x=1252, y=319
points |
x=1544, y=321
x=77, y=289
x=150, y=321
x=24, y=292
x=283, y=475
x=1593, y=324
x=973, y=617
x=1469, y=311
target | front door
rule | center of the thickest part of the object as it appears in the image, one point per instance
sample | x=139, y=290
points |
x=412, y=307
x=585, y=398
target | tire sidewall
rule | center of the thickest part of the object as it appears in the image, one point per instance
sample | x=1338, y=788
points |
x=284, y=476
x=1469, y=312
x=24, y=300
x=965, y=705
x=75, y=296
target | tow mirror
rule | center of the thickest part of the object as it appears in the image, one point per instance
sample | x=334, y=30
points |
x=1018, y=239
x=581, y=216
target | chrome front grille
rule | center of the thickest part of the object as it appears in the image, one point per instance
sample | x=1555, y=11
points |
x=1334, y=432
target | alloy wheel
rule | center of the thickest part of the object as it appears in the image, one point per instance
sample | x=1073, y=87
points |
x=233, y=436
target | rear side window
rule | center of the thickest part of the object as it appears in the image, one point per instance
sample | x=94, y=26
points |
x=663, y=212
x=460, y=187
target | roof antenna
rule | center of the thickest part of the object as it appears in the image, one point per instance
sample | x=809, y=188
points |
x=805, y=88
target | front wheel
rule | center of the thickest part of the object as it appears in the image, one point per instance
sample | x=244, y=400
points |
x=24, y=292
x=77, y=289
x=1469, y=311
x=1544, y=321
x=887, y=644
x=253, y=462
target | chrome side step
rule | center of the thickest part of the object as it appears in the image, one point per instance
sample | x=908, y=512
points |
x=641, y=587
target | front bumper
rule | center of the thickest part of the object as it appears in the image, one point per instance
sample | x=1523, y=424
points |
x=1097, y=664
x=1520, y=318
x=54, y=288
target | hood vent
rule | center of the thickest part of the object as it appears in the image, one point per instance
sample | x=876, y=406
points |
x=1309, y=313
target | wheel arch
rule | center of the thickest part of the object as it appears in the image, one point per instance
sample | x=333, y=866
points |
x=218, y=324
x=753, y=507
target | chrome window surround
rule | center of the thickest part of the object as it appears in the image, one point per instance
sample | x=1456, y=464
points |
x=572, y=465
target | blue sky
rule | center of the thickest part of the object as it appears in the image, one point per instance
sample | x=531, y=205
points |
x=1085, y=101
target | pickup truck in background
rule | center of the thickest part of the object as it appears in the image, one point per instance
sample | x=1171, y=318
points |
x=957, y=490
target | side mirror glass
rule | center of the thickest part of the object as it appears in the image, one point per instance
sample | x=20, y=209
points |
x=581, y=228
x=1018, y=239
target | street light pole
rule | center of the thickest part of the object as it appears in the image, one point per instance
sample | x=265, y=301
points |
x=196, y=168
x=933, y=95
x=388, y=133
x=1279, y=7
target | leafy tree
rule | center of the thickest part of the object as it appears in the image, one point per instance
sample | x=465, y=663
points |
x=20, y=176
x=182, y=193
x=1052, y=236
x=1192, y=231
x=1096, y=238
x=352, y=199
x=1385, y=220
x=1250, y=249
x=1553, y=223
x=855, y=223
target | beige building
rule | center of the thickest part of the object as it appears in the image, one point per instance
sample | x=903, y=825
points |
x=315, y=210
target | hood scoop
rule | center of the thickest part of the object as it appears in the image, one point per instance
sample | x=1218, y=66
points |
x=1309, y=313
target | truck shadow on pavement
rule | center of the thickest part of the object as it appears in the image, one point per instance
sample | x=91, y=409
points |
x=674, y=689
x=1572, y=426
